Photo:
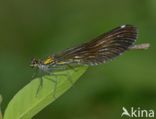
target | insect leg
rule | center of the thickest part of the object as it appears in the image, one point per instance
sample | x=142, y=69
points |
x=40, y=85
x=71, y=67
x=35, y=73
x=54, y=81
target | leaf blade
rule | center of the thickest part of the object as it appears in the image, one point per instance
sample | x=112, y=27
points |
x=25, y=104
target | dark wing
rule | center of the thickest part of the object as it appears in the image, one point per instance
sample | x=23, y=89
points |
x=101, y=49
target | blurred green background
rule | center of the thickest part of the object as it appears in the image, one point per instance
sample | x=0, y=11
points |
x=31, y=28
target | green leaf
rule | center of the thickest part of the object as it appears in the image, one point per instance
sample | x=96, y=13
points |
x=27, y=102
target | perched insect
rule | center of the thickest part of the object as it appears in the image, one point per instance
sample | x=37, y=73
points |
x=99, y=50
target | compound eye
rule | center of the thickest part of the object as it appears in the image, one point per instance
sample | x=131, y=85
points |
x=34, y=61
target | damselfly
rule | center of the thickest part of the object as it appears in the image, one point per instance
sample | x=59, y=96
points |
x=97, y=51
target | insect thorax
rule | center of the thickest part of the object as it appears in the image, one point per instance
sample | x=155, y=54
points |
x=49, y=60
x=43, y=67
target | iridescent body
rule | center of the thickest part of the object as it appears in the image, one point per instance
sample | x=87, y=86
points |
x=99, y=50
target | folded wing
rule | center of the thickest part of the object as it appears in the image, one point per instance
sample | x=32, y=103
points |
x=101, y=49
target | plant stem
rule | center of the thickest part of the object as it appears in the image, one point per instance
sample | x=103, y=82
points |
x=0, y=107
